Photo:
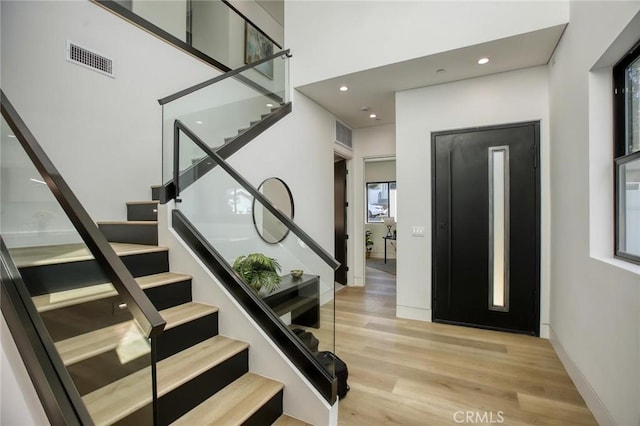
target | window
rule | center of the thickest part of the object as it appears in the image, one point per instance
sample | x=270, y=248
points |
x=626, y=76
x=381, y=201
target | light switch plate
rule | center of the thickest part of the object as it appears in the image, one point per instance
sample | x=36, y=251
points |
x=417, y=231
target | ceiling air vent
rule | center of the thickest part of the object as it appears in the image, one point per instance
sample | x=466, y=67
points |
x=88, y=59
x=343, y=134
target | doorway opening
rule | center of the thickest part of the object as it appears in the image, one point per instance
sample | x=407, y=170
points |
x=380, y=220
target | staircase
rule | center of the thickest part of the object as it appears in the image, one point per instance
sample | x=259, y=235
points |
x=202, y=377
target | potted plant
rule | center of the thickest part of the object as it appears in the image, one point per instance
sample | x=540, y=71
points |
x=368, y=242
x=258, y=271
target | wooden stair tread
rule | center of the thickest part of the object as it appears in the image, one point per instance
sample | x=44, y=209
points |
x=125, y=336
x=285, y=420
x=234, y=404
x=76, y=296
x=123, y=397
x=186, y=312
x=195, y=360
x=129, y=222
x=66, y=253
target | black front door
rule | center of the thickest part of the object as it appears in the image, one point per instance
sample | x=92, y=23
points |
x=486, y=232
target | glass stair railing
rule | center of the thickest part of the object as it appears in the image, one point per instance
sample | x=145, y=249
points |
x=91, y=319
x=227, y=112
x=220, y=214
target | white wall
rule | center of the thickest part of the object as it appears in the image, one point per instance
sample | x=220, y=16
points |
x=332, y=38
x=595, y=300
x=370, y=142
x=380, y=171
x=510, y=97
x=19, y=402
x=103, y=134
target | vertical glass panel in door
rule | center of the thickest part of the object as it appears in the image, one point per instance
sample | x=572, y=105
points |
x=499, y=228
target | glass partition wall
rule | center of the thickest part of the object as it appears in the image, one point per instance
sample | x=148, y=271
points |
x=73, y=309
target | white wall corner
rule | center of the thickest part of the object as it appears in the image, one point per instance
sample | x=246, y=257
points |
x=591, y=398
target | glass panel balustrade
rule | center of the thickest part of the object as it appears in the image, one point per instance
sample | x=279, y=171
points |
x=221, y=111
x=93, y=330
x=265, y=251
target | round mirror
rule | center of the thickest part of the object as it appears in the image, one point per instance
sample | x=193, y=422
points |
x=269, y=227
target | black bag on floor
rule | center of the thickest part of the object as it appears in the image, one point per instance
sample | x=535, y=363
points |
x=328, y=359
x=306, y=337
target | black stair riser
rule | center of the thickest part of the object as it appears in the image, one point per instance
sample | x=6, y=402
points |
x=169, y=295
x=142, y=212
x=83, y=318
x=268, y=413
x=184, y=398
x=66, y=276
x=130, y=233
x=155, y=192
x=184, y=336
x=100, y=370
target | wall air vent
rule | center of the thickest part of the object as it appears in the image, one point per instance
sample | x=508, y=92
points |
x=88, y=59
x=343, y=134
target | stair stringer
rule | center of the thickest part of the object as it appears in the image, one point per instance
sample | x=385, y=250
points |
x=301, y=399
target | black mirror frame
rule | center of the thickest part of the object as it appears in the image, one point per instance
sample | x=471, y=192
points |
x=253, y=210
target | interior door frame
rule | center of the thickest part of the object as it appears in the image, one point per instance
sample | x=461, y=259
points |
x=538, y=235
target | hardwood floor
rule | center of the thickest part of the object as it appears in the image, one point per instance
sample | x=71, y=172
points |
x=404, y=372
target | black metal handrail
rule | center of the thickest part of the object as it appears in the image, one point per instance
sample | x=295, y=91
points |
x=290, y=224
x=226, y=75
x=138, y=303
x=58, y=395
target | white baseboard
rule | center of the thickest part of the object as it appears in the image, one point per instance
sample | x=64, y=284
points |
x=591, y=398
x=418, y=314
x=544, y=330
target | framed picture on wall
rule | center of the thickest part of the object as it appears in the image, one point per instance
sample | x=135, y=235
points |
x=256, y=47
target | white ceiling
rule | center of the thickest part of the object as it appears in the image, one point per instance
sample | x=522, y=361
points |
x=375, y=88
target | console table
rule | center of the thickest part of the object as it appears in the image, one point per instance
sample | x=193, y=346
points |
x=386, y=240
x=299, y=296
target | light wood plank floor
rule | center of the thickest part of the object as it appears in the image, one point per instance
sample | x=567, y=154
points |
x=404, y=372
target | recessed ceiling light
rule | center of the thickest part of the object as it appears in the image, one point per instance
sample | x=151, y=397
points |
x=269, y=105
x=11, y=136
x=372, y=116
x=364, y=108
x=198, y=122
x=343, y=88
x=483, y=61
x=440, y=70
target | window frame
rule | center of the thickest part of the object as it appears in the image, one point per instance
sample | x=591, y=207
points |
x=366, y=190
x=620, y=129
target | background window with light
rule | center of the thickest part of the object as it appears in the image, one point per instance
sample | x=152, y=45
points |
x=381, y=201
x=626, y=76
